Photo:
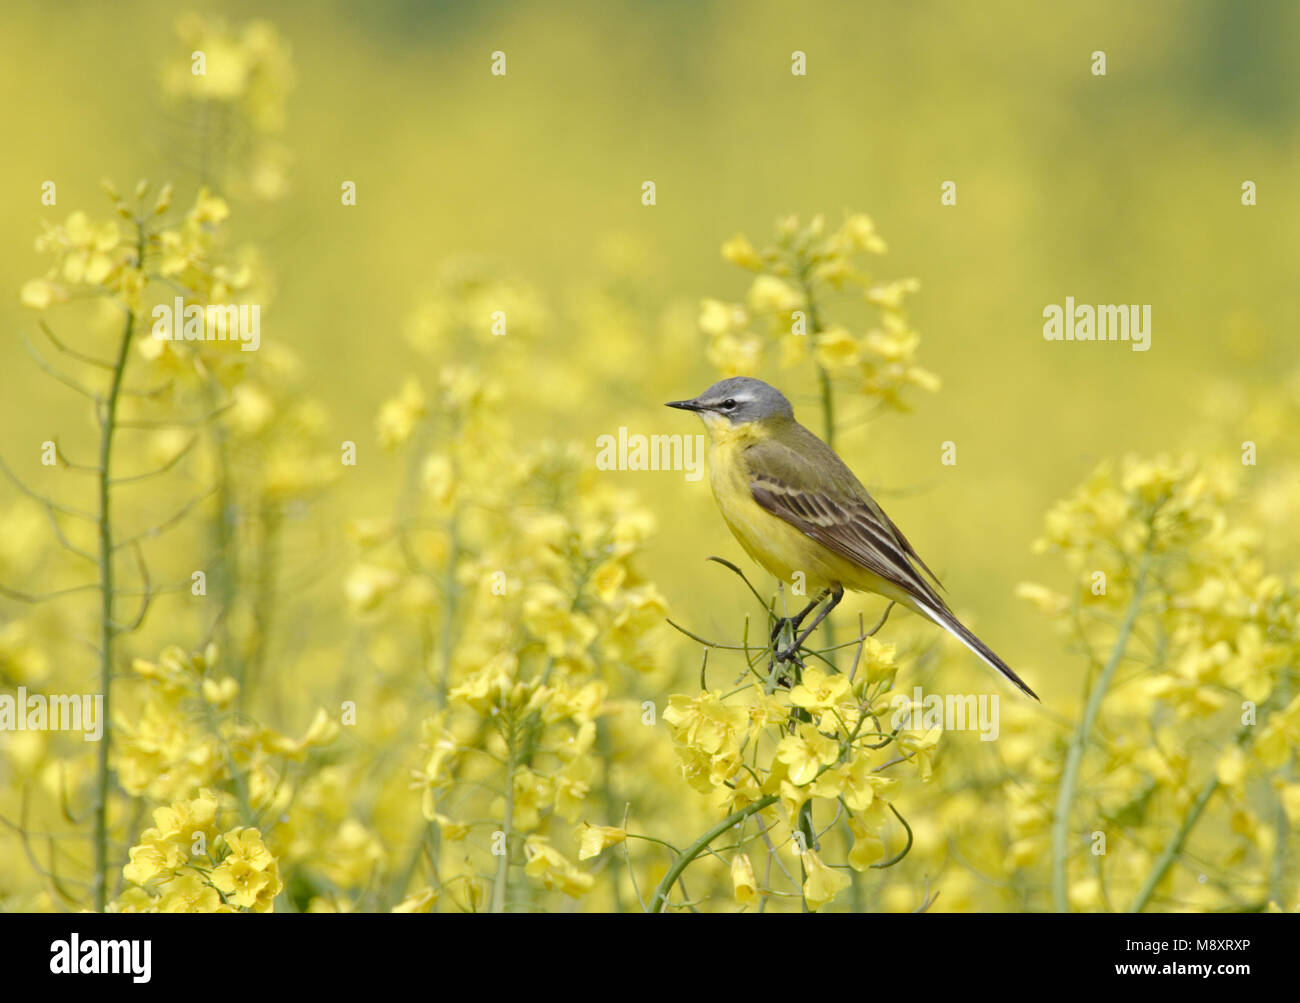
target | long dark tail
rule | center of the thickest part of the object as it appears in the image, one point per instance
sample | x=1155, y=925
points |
x=957, y=629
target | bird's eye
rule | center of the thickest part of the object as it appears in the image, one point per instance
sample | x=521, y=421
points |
x=729, y=404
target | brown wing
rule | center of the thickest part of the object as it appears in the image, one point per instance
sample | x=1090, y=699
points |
x=902, y=541
x=808, y=486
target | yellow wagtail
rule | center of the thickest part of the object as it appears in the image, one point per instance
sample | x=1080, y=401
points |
x=795, y=507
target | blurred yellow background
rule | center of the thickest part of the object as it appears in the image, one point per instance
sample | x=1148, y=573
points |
x=1115, y=189
x=1122, y=188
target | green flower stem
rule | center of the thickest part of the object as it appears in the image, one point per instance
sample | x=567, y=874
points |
x=828, y=415
x=828, y=406
x=1175, y=846
x=805, y=827
x=660, y=897
x=265, y=591
x=1079, y=743
x=533, y=726
x=606, y=749
x=828, y=422
x=107, y=629
x=804, y=821
x=225, y=573
x=500, y=886
x=1277, y=873
x=446, y=629
x=824, y=378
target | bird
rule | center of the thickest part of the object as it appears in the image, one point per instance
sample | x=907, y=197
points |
x=795, y=507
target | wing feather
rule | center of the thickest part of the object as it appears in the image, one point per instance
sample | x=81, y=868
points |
x=836, y=510
x=801, y=480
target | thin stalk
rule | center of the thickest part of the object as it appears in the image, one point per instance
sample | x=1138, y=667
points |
x=805, y=827
x=266, y=594
x=1079, y=743
x=828, y=407
x=804, y=822
x=828, y=414
x=107, y=629
x=446, y=638
x=225, y=571
x=502, y=882
x=660, y=897
x=1175, y=846
x=605, y=748
x=828, y=419
x=1277, y=874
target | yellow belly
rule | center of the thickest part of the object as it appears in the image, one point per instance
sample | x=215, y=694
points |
x=772, y=542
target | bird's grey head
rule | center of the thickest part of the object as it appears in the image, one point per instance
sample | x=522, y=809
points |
x=739, y=399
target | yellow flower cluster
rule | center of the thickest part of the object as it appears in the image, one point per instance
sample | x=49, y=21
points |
x=236, y=81
x=185, y=864
x=472, y=302
x=177, y=741
x=161, y=755
x=1176, y=601
x=823, y=741
x=1229, y=623
x=471, y=702
x=274, y=433
x=109, y=256
x=806, y=264
x=525, y=561
x=139, y=257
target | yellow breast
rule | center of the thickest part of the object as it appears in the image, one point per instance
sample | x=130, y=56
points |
x=772, y=542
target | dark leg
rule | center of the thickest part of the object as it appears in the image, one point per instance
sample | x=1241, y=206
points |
x=794, y=621
x=837, y=593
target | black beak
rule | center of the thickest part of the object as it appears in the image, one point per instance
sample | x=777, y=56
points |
x=685, y=405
